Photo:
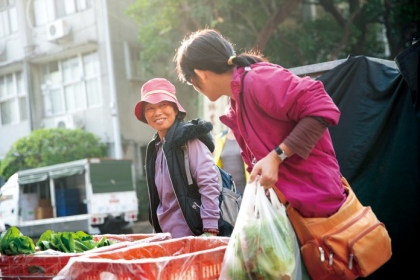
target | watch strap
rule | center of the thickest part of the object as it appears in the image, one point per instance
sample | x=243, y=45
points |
x=280, y=153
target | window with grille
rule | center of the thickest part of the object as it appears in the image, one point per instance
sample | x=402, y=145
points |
x=71, y=84
x=8, y=18
x=45, y=11
x=13, y=107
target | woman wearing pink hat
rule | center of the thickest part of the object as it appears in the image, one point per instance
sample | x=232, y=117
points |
x=174, y=205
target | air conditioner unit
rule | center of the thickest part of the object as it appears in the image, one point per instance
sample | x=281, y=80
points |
x=69, y=121
x=64, y=122
x=57, y=30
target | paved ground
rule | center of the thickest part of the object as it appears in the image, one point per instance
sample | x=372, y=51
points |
x=142, y=227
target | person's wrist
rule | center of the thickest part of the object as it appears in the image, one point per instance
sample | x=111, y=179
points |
x=276, y=157
x=280, y=153
x=212, y=231
x=206, y=234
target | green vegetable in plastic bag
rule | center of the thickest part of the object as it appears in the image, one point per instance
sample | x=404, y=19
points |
x=263, y=244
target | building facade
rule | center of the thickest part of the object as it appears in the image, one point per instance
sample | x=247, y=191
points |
x=75, y=64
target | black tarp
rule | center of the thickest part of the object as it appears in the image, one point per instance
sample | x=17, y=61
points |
x=377, y=142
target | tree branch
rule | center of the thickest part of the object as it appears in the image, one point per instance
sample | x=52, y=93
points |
x=281, y=14
x=248, y=20
x=186, y=10
x=328, y=6
x=344, y=40
x=293, y=46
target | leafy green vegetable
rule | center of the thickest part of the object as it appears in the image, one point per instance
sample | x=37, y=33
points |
x=70, y=242
x=44, y=240
x=256, y=257
x=104, y=242
x=13, y=242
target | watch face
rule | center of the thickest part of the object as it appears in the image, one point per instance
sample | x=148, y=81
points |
x=283, y=156
x=280, y=153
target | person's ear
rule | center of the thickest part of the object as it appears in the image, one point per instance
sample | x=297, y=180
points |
x=175, y=108
x=201, y=74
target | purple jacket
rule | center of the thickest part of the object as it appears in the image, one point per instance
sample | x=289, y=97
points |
x=266, y=106
x=203, y=170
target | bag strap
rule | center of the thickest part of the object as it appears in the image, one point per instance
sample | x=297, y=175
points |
x=283, y=199
x=275, y=200
x=281, y=196
x=187, y=165
x=188, y=170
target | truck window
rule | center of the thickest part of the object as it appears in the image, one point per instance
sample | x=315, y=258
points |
x=41, y=188
x=111, y=177
x=6, y=194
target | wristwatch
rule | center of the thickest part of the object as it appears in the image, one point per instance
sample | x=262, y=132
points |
x=280, y=153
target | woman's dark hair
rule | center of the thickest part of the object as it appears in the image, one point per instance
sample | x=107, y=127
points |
x=207, y=49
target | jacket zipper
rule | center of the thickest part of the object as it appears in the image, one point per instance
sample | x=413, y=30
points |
x=147, y=182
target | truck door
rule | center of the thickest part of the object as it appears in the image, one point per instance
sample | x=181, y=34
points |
x=9, y=201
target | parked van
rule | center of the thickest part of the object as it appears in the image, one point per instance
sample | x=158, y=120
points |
x=92, y=195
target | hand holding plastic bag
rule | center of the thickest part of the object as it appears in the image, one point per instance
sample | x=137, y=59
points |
x=263, y=244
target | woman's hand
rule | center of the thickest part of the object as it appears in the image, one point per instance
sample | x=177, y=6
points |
x=208, y=234
x=267, y=170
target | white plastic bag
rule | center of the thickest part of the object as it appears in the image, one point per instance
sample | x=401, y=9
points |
x=263, y=244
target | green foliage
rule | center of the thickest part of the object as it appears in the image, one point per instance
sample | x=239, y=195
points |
x=403, y=23
x=293, y=42
x=163, y=25
x=314, y=42
x=45, y=147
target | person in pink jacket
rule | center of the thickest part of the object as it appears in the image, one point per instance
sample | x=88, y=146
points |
x=280, y=120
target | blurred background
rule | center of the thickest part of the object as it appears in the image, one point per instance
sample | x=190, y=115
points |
x=80, y=64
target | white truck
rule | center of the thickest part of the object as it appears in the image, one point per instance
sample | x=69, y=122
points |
x=92, y=195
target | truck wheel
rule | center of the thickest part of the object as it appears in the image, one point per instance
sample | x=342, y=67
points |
x=113, y=227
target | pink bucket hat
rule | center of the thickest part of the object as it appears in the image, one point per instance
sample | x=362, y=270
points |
x=155, y=91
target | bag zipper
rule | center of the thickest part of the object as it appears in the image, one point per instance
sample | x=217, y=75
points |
x=364, y=232
x=352, y=222
x=321, y=251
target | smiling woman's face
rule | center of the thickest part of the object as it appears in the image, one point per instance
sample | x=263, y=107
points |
x=160, y=116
